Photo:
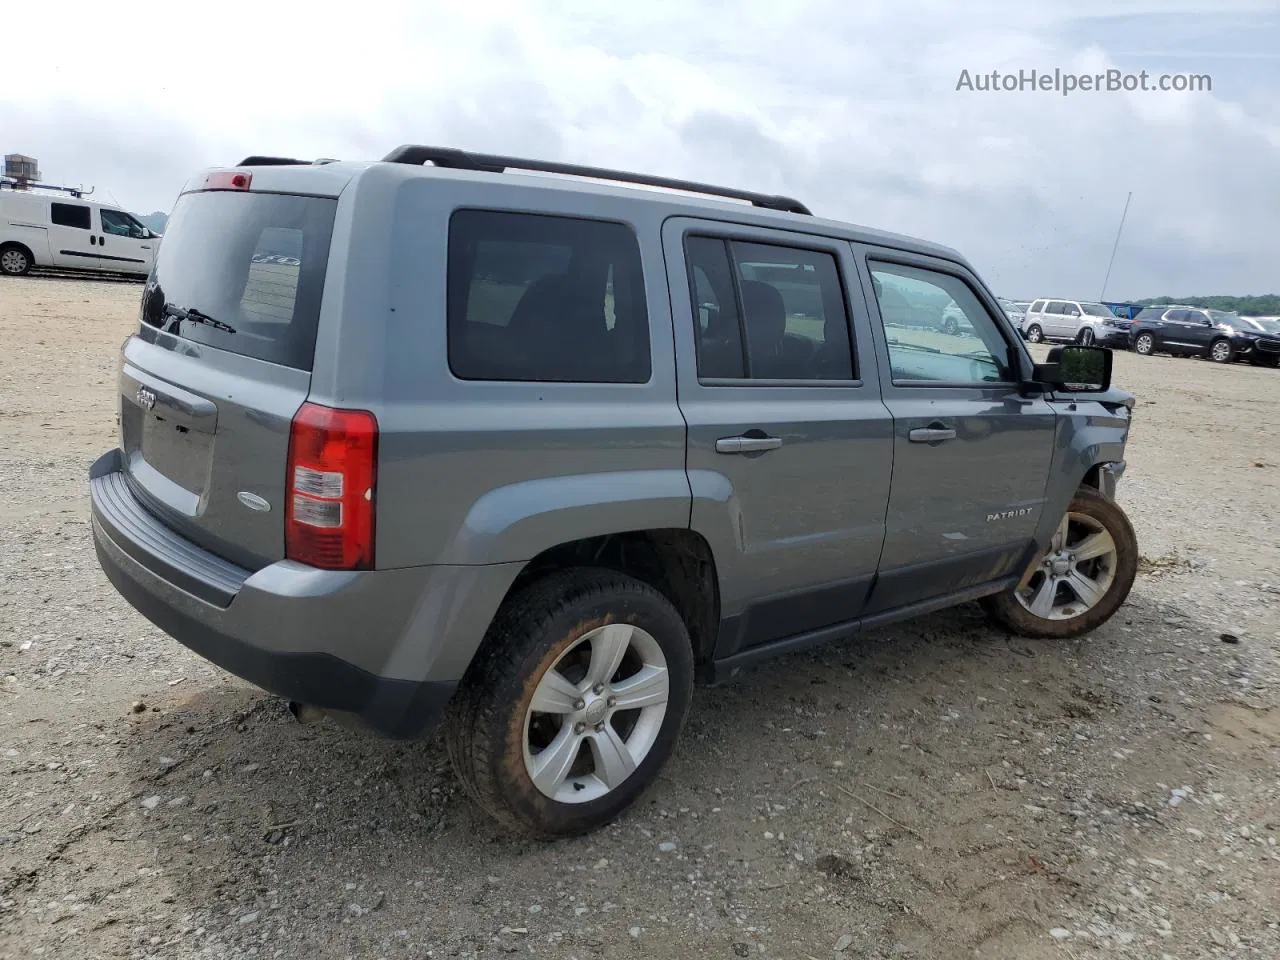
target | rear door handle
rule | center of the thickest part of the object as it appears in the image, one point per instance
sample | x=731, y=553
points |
x=934, y=433
x=747, y=444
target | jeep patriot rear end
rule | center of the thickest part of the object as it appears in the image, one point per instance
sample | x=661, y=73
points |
x=525, y=455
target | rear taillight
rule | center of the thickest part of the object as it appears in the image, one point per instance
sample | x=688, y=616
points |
x=329, y=500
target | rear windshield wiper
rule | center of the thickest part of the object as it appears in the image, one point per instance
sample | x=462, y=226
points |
x=195, y=316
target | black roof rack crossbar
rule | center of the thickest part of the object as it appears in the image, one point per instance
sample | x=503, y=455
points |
x=462, y=160
x=256, y=161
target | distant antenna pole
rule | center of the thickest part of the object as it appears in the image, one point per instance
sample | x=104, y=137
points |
x=1115, y=247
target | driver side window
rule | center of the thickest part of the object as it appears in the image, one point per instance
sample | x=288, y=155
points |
x=937, y=329
x=120, y=224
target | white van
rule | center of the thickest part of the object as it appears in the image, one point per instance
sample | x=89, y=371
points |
x=69, y=233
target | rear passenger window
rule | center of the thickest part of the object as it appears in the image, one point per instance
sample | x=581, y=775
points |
x=786, y=303
x=70, y=215
x=545, y=299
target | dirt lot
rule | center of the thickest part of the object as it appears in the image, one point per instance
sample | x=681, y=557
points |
x=935, y=790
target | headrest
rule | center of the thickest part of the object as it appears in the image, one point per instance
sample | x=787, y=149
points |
x=766, y=313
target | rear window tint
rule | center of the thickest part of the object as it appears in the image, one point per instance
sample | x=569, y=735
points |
x=546, y=299
x=254, y=262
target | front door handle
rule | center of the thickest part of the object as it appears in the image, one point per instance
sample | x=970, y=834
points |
x=934, y=433
x=747, y=444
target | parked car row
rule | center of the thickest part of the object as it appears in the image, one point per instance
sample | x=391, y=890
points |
x=1175, y=329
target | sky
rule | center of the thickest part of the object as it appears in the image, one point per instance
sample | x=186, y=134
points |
x=851, y=107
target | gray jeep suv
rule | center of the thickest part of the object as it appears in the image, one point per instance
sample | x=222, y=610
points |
x=438, y=439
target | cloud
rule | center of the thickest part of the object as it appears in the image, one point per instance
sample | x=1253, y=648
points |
x=851, y=108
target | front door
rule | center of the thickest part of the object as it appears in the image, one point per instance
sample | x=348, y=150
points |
x=73, y=239
x=125, y=244
x=789, y=444
x=971, y=455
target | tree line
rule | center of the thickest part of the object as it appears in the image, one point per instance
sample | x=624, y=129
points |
x=1265, y=305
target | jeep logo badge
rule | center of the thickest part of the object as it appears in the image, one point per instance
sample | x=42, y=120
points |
x=253, y=501
x=146, y=398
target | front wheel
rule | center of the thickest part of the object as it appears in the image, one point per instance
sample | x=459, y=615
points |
x=1034, y=333
x=1086, y=337
x=1080, y=581
x=950, y=327
x=1220, y=351
x=573, y=704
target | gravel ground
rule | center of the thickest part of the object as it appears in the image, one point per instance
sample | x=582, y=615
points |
x=937, y=789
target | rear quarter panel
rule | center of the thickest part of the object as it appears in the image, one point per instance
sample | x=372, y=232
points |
x=25, y=220
x=474, y=472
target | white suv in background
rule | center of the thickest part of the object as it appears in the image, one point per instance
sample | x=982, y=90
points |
x=1082, y=321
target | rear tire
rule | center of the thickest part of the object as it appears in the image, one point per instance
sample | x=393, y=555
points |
x=1034, y=333
x=1057, y=582
x=15, y=260
x=950, y=327
x=1220, y=351
x=551, y=645
x=1144, y=344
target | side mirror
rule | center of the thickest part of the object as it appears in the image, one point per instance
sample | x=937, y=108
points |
x=1075, y=368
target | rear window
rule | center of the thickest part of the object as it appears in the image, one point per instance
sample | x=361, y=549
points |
x=546, y=299
x=243, y=272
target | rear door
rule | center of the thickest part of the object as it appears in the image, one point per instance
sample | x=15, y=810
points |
x=1052, y=318
x=73, y=237
x=1175, y=330
x=124, y=244
x=1200, y=330
x=1072, y=320
x=222, y=361
x=970, y=455
x=789, y=443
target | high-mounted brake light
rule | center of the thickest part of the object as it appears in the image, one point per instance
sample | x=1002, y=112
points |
x=329, y=497
x=228, y=180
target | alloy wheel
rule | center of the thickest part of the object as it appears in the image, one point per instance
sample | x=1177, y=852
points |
x=1144, y=343
x=1075, y=572
x=596, y=713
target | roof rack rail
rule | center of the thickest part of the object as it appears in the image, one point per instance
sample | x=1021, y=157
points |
x=23, y=186
x=257, y=161
x=462, y=160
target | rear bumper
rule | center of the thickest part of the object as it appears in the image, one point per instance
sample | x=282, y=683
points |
x=1115, y=337
x=388, y=646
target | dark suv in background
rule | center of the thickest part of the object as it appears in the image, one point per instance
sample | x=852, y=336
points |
x=1199, y=331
